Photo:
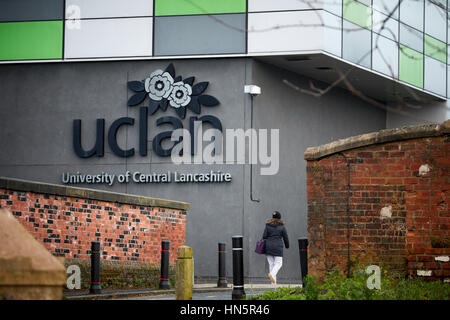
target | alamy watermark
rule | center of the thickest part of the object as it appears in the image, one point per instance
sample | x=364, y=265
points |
x=74, y=278
x=241, y=147
x=73, y=17
x=374, y=281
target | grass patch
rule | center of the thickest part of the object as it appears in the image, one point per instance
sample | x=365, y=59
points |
x=337, y=286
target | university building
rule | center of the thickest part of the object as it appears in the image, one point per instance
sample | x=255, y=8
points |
x=91, y=91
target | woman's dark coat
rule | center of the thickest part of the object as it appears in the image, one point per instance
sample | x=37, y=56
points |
x=274, y=234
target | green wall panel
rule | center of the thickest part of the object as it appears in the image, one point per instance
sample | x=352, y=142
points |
x=185, y=7
x=411, y=66
x=435, y=48
x=358, y=13
x=31, y=40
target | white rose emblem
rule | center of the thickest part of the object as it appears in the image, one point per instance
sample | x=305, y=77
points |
x=159, y=85
x=180, y=95
x=164, y=88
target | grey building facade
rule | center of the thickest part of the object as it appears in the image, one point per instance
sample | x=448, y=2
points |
x=328, y=69
x=41, y=101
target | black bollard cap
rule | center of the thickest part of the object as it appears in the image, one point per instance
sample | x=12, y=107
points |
x=237, y=241
x=95, y=246
x=165, y=244
x=303, y=243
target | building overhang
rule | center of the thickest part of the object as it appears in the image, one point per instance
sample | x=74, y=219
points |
x=336, y=72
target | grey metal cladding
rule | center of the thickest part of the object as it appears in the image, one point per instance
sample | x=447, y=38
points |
x=200, y=34
x=31, y=10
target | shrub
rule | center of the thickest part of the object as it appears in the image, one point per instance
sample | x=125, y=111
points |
x=337, y=286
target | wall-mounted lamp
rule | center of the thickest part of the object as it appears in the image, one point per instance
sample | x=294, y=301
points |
x=252, y=89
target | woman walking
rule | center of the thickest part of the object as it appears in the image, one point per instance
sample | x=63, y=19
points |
x=275, y=234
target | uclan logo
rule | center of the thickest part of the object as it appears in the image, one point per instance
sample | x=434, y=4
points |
x=163, y=89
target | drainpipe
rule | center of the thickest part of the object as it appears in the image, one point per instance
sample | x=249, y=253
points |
x=253, y=91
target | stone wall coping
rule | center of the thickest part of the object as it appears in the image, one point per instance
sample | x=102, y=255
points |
x=92, y=194
x=382, y=136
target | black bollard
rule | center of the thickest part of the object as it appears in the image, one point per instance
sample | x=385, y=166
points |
x=164, y=282
x=303, y=251
x=95, y=268
x=238, y=268
x=222, y=281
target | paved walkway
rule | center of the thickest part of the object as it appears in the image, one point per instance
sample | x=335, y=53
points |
x=206, y=291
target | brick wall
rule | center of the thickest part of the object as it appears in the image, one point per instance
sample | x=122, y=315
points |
x=381, y=198
x=66, y=219
x=121, y=274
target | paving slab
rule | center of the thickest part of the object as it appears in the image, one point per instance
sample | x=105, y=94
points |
x=137, y=293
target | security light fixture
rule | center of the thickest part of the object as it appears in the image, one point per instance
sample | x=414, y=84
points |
x=252, y=89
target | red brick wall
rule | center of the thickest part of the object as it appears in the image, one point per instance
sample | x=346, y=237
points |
x=381, y=176
x=67, y=225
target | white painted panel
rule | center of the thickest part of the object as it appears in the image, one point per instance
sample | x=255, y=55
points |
x=332, y=35
x=448, y=87
x=448, y=92
x=411, y=13
x=333, y=6
x=388, y=7
x=435, y=76
x=385, y=56
x=435, y=21
x=110, y=38
x=276, y=5
x=109, y=8
x=411, y=38
x=285, y=31
x=385, y=26
x=357, y=46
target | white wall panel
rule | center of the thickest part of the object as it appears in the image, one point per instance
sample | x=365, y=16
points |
x=285, y=31
x=435, y=21
x=109, y=8
x=448, y=87
x=411, y=13
x=387, y=7
x=332, y=33
x=275, y=5
x=110, y=38
x=411, y=37
x=385, y=56
x=357, y=46
x=333, y=6
x=435, y=76
x=385, y=26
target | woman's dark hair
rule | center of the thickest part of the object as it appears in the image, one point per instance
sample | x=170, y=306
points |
x=276, y=215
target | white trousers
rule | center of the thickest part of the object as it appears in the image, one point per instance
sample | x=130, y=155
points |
x=275, y=264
